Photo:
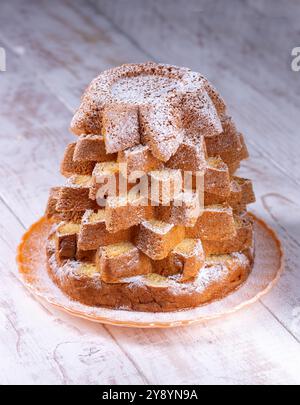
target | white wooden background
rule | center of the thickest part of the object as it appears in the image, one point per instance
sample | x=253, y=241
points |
x=54, y=48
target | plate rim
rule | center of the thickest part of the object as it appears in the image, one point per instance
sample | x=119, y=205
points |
x=140, y=324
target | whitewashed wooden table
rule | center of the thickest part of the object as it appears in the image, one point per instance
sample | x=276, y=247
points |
x=53, y=50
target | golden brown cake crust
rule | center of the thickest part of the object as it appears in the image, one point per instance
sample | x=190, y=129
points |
x=217, y=280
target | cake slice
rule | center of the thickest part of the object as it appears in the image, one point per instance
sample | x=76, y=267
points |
x=216, y=177
x=123, y=212
x=121, y=260
x=165, y=185
x=215, y=223
x=93, y=232
x=199, y=115
x=183, y=210
x=229, y=144
x=91, y=148
x=120, y=127
x=53, y=215
x=161, y=127
x=105, y=176
x=69, y=166
x=241, y=192
x=75, y=195
x=139, y=158
x=185, y=261
x=157, y=238
x=66, y=241
x=191, y=155
x=241, y=241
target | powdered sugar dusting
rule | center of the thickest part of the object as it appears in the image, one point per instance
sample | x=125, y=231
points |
x=158, y=227
x=142, y=89
x=265, y=273
x=154, y=113
x=210, y=273
x=120, y=127
x=173, y=103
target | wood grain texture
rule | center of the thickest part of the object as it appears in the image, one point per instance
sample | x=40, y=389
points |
x=53, y=50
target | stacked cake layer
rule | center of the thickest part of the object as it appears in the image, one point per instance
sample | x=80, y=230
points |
x=126, y=224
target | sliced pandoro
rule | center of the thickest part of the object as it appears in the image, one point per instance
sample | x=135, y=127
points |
x=244, y=154
x=152, y=292
x=247, y=195
x=227, y=139
x=51, y=211
x=216, y=177
x=69, y=166
x=235, y=197
x=235, y=154
x=189, y=256
x=86, y=255
x=155, y=118
x=93, y=232
x=215, y=223
x=229, y=145
x=199, y=115
x=214, y=199
x=161, y=128
x=105, y=175
x=139, y=158
x=185, y=260
x=157, y=238
x=123, y=212
x=241, y=192
x=66, y=241
x=183, y=210
x=74, y=196
x=91, y=148
x=121, y=260
x=120, y=127
x=53, y=215
x=165, y=185
x=215, y=97
x=190, y=156
x=241, y=241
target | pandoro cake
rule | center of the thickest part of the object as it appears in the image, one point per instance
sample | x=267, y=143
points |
x=152, y=216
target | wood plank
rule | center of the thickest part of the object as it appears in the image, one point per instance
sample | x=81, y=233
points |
x=33, y=136
x=278, y=202
x=216, y=352
x=72, y=46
